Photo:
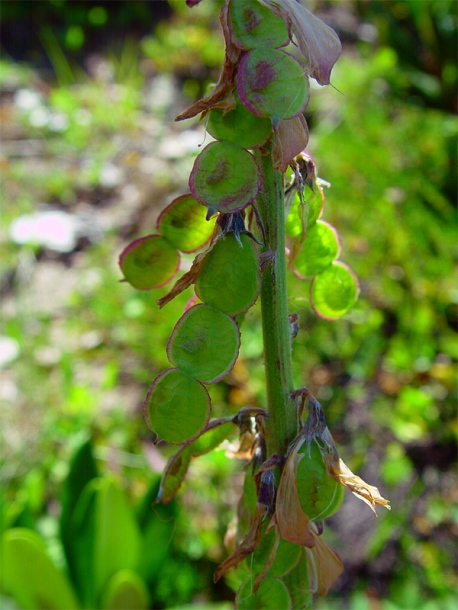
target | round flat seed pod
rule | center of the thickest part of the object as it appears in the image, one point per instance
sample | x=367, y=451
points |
x=177, y=407
x=272, y=84
x=319, y=494
x=287, y=556
x=225, y=177
x=272, y=595
x=182, y=223
x=254, y=25
x=204, y=343
x=334, y=292
x=239, y=126
x=229, y=278
x=315, y=203
x=149, y=262
x=320, y=248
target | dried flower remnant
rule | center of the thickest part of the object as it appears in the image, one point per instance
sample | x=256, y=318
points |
x=315, y=429
x=319, y=44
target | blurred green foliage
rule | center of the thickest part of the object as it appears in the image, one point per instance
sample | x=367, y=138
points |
x=386, y=373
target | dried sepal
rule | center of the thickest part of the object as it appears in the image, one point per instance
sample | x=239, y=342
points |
x=324, y=565
x=319, y=44
x=290, y=139
x=248, y=544
x=292, y=522
x=227, y=77
x=187, y=279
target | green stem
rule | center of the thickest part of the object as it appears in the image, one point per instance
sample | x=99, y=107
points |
x=282, y=421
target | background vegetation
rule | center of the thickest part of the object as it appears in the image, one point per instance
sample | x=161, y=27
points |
x=89, y=93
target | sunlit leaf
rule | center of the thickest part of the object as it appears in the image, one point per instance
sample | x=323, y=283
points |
x=272, y=84
x=149, y=262
x=334, y=291
x=225, y=177
x=239, y=126
x=253, y=25
x=320, y=248
x=29, y=575
x=204, y=344
x=82, y=470
x=182, y=223
x=229, y=278
x=177, y=407
x=125, y=590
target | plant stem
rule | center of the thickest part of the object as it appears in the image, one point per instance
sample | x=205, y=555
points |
x=282, y=421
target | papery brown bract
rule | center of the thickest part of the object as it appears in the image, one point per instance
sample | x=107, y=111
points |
x=227, y=77
x=290, y=139
x=292, y=522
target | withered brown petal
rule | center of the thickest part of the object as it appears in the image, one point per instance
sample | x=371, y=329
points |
x=369, y=494
x=330, y=566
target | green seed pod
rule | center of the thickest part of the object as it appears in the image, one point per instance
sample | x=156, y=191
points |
x=182, y=223
x=320, y=249
x=254, y=25
x=177, y=407
x=239, y=126
x=204, y=343
x=272, y=84
x=230, y=279
x=225, y=177
x=272, y=595
x=334, y=292
x=319, y=494
x=149, y=262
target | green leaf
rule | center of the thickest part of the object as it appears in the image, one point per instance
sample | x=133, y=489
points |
x=334, y=292
x=254, y=25
x=149, y=262
x=239, y=126
x=229, y=278
x=174, y=474
x=225, y=177
x=320, y=495
x=182, y=223
x=125, y=591
x=272, y=84
x=107, y=538
x=204, y=343
x=272, y=595
x=177, y=406
x=157, y=527
x=29, y=575
x=82, y=470
x=320, y=248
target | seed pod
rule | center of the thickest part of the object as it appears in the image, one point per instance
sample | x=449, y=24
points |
x=319, y=494
x=229, y=278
